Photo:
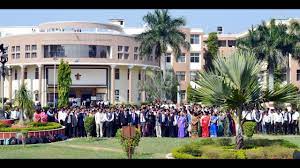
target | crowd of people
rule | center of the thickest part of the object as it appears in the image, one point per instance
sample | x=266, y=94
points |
x=167, y=120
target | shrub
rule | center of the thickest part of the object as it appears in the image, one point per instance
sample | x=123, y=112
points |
x=177, y=154
x=249, y=128
x=89, y=124
x=240, y=154
x=256, y=153
x=224, y=141
x=48, y=126
x=207, y=141
x=3, y=125
x=129, y=143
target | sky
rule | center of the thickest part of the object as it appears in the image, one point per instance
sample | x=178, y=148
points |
x=232, y=20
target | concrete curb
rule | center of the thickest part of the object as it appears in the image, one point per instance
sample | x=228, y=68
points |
x=169, y=156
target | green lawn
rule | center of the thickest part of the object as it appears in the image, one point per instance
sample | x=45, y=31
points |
x=94, y=148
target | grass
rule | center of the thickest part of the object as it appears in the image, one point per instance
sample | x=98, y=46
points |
x=104, y=148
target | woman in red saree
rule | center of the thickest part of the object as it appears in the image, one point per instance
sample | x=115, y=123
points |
x=205, y=125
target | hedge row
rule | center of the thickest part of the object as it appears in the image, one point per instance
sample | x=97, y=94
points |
x=33, y=127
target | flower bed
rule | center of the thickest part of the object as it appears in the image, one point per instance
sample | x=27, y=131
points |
x=223, y=148
x=34, y=130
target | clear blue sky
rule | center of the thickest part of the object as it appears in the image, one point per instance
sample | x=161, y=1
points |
x=232, y=20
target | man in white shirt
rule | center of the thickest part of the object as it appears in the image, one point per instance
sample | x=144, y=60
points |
x=278, y=119
x=287, y=119
x=99, y=120
x=295, y=121
x=257, y=116
x=62, y=116
x=15, y=114
x=247, y=115
x=266, y=122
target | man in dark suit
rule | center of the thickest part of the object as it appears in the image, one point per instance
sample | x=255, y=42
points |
x=117, y=121
x=124, y=117
x=134, y=119
x=80, y=124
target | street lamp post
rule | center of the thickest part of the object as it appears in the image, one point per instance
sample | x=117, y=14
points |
x=3, y=60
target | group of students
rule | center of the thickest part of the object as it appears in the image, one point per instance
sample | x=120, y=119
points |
x=274, y=120
x=165, y=120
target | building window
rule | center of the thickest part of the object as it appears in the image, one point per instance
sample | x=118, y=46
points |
x=120, y=55
x=284, y=74
x=25, y=73
x=36, y=97
x=139, y=96
x=120, y=48
x=181, y=58
x=180, y=75
x=231, y=43
x=27, y=47
x=128, y=95
x=27, y=55
x=126, y=49
x=33, y=47
x=140, y=75
x=128, y=74
x=33, y=55
x=126, y=56
x=194, y=76
x=117, y=73
x=36, y=73
x=17, y=55
x=222, y=43
x=13, y=49
x=13, y=56
x=168, y=58
x=182, y=94
x=136, y=49
x=298, y=75
x=140, y=57
x=16, y=74
x=17, y=48
x=117, y=95
x=194, y=38
x=195, y=57
x=135, y=56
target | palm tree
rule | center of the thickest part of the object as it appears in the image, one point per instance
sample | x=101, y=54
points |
x=162, y=31
x=272, y=43
x=233, y=84
x=24, y=101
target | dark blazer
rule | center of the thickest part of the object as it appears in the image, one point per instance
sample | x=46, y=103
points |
x=135, y=121
x=124, y=118
x=80, y=118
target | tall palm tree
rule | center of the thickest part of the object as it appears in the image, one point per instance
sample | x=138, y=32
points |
x=24, y=101
x=233, y=84
x=162, y=31
x=271, y=43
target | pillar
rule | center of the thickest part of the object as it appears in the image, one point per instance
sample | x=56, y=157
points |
x=40, y=82
x=10, y=84
x=22, y=73
x=112, y=86
x=130, y=68
x=143, y=98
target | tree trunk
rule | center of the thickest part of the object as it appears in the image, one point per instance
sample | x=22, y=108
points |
x=163, y=68
x=288, y=79
x=21, y=117
x=239, y=139
x=271, y=77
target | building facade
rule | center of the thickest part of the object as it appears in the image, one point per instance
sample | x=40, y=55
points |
x=104, y=59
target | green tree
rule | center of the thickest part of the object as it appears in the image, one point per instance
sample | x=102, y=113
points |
x=190, y=95
x=64, y=83
x=212, y=50
x=162, y=31
x=272, y=43
x=155, y=86
x=233, y=84
x=23, y=100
